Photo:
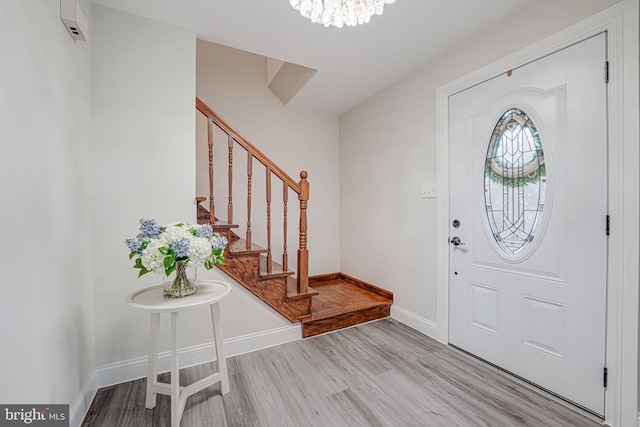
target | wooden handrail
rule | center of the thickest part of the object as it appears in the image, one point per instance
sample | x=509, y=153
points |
x=301, y=188
x=259, y=155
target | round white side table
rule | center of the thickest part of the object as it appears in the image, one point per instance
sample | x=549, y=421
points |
x=210, y=293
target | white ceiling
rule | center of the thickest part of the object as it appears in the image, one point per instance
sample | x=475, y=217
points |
x=353, y=63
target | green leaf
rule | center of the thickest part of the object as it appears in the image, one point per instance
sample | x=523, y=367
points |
x=169, y=270
x=138, y=263
x=169, y=264
x=165, y=250
x=132, y=254
x=168, y=261
x=143, y=271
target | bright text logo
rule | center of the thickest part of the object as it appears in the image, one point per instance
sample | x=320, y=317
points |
x=36, y=415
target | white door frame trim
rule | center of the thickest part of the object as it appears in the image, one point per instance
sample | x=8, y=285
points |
x=621, y=23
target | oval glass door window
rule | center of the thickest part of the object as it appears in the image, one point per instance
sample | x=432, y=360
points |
x=515, y=183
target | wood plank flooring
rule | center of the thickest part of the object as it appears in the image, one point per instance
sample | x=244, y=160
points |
x=377, y=374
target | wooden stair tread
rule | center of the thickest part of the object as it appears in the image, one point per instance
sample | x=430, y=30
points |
x=222, y=225
x=276, y=269
x=292, y=290
x=203, y=217
x=239, y=247
x=336, y=297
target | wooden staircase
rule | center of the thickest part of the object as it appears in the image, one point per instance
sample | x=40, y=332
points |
x=335, y=301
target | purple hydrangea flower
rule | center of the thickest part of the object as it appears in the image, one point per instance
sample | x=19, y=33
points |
x=150, y=228
x=217, y=242
x=181, y=247
x=205, y=231
x=134, y=245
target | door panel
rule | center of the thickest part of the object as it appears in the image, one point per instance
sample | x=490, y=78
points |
x=538, y=312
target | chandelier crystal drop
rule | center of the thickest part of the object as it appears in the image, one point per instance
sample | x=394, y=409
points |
x=340, y=12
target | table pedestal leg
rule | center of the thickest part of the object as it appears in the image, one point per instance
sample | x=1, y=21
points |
x=175, y=375
x=152, y=362
x=219, y=344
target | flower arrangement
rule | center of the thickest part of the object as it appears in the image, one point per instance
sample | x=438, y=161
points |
x=173, y=248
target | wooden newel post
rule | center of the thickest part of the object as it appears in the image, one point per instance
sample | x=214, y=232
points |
x=303, y=253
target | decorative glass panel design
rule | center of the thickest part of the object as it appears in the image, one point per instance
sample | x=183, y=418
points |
x=515, y=182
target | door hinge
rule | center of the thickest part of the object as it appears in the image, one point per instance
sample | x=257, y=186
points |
x=606, y=72
x=605, y=377
x=608, y=225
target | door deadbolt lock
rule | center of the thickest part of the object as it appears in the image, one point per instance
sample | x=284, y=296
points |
x=455, y=223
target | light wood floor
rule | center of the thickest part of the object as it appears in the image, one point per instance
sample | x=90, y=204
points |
x=378, y=374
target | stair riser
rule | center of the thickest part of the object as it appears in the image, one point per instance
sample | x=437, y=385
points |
x=317, y=327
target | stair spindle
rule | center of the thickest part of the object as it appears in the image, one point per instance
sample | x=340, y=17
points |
x=230, y=204
x=212, y=215
x=285, y=198
x=303, y=253
x=249, y=175
x=268, y=180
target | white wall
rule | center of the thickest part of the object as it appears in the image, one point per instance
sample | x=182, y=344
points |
x=234, y=84
x=46, y=308
x=143, y=150
x=395, y=132
x=143, y=83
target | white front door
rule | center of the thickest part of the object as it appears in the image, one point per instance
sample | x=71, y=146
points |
x=528, y=206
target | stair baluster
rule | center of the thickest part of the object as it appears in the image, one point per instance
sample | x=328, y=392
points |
x=249, y=175
x=230, y=180
x=268, y=180
x=285, y=199
x=212, y=214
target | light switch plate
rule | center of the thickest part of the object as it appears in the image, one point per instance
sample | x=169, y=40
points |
x=429, y=191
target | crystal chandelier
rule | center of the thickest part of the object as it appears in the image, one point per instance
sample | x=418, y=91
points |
x=340, y=12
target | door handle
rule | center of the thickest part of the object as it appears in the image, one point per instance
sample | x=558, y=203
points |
x=455, y=241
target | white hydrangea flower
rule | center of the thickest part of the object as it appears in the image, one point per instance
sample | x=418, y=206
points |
x=199, y=250
x=173, y=232
x=151, y=257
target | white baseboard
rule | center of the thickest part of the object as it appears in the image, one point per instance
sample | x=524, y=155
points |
x=79, y=408
x=128, y=370
x=426, y=326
